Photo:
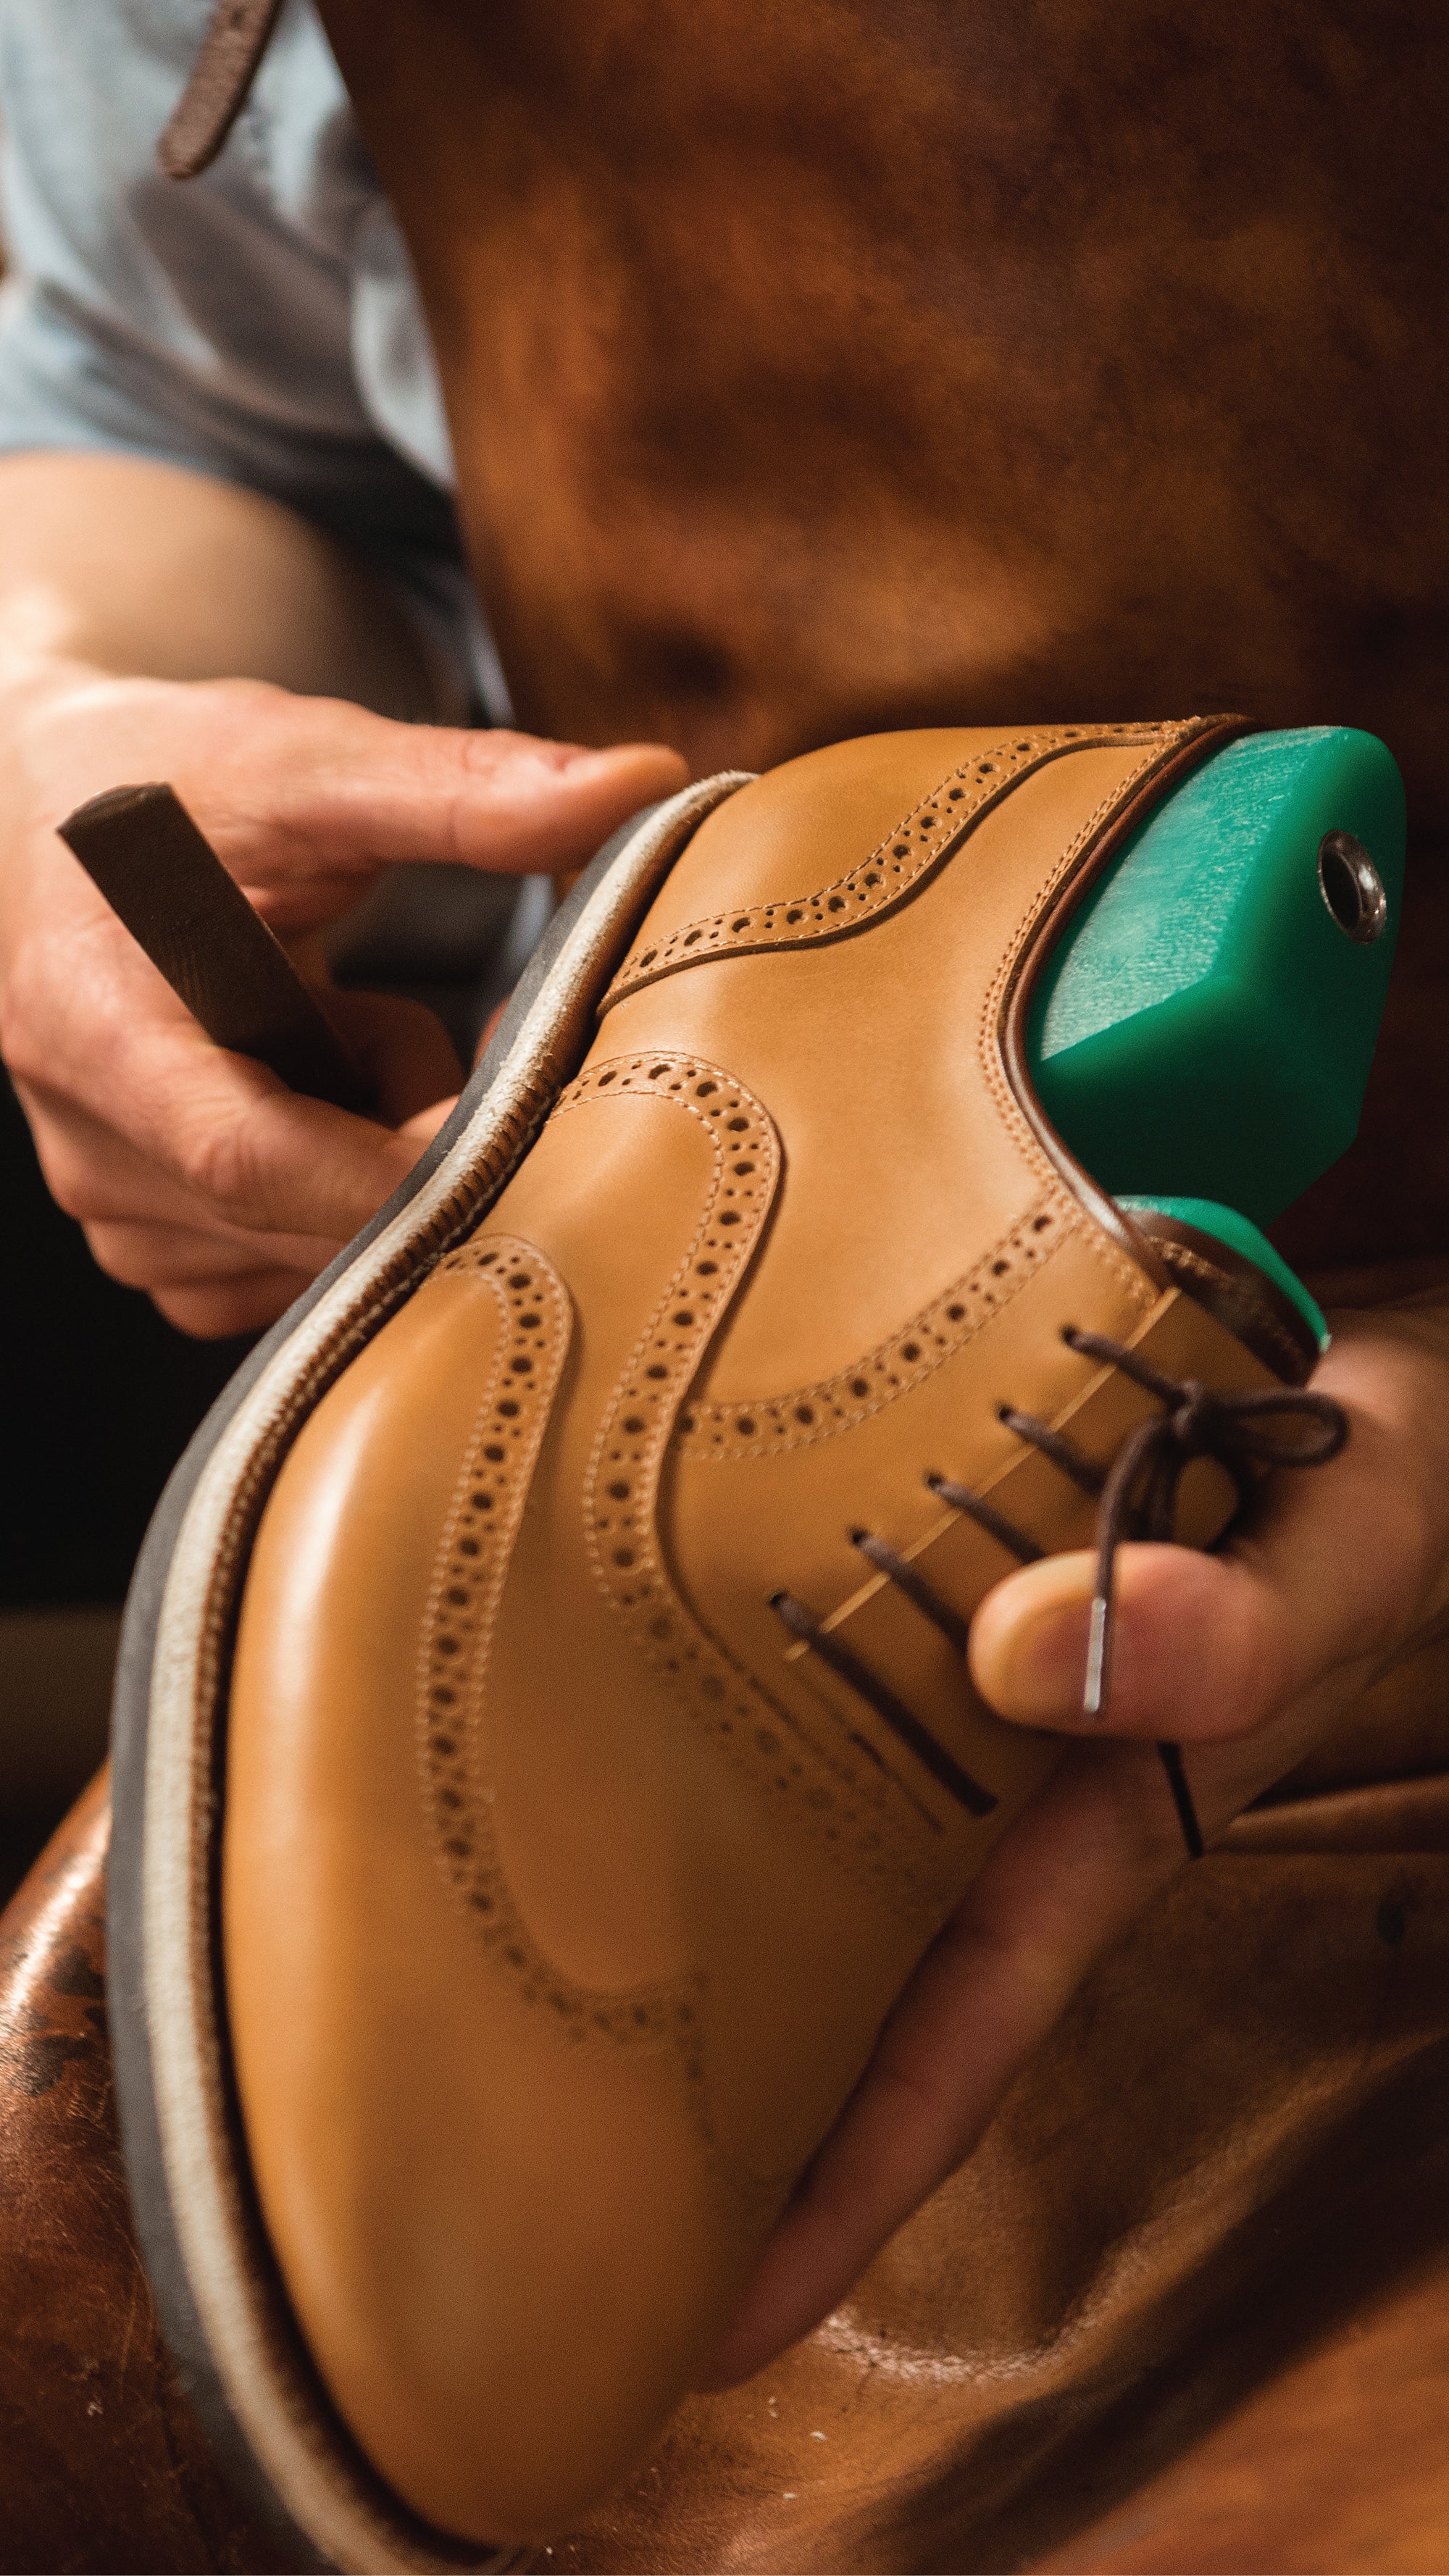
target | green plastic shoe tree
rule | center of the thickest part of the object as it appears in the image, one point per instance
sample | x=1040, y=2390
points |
x=1202, y=1036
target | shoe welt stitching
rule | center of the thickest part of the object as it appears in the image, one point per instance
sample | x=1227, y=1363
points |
x=1163, y=740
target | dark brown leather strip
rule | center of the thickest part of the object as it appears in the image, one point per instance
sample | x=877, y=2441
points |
x=1242, y=1297
x=216, y=93
x=164, y=880
x=1185, y=749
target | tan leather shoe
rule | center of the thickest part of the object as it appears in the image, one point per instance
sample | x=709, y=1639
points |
x=547, y=1746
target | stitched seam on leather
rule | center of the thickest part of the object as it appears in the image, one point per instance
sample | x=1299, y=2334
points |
x=1181, y=1256
x=465, y=1596
x=454, y=1216
x=853, y=1395
x=1165, y=739
x=893, y=865
x=464, y=1207
x=826, y=1797
x=459, y=1211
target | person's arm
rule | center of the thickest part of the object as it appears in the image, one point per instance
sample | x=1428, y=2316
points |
x=144, y=569
x=155, y=623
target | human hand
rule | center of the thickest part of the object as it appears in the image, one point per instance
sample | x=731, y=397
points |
x=196, y=1174
x=1247, y=1657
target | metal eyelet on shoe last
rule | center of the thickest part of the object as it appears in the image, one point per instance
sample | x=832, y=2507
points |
x=1352, y=888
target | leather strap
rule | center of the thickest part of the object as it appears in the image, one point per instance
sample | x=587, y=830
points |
x=163, y=879
x=216, y=93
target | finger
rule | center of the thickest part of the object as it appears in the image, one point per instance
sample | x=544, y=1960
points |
x=1079, y=1862
x=1202, y=1647
x=95, y=1174
x=277, y=1163
x=244, y=1150
x=241, y=1306
x=404, y=1050
x=133, y=1104
x=100, y=1178
x=160, y=1257
x=1332, y=1568
x=214, y=1141
x=325, y=790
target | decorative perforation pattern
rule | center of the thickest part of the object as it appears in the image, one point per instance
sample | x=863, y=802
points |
x=830, y=1798
x=758, y=1428
x=893, y=869
x=462, y=1611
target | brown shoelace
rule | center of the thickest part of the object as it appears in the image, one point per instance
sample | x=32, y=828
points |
x=1136, y=1499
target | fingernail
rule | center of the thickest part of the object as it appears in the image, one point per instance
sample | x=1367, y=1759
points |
x=1030, y=1640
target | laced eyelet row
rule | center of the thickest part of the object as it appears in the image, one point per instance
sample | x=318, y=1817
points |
x=1136, y=1498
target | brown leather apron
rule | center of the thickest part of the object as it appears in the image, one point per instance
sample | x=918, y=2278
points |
x=822, y=368
x=818, y=369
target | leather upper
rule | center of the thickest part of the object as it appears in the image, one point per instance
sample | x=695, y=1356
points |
x=564, y=1891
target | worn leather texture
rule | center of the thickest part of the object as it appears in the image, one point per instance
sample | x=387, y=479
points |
x=815, y=370
x=1186, y=2309
x=102, y=2464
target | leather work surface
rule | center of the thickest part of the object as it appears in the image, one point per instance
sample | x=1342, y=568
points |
x=1186, y=2309
x=102, y=2464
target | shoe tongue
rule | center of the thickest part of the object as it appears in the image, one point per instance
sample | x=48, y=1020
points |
x=1240, y=1239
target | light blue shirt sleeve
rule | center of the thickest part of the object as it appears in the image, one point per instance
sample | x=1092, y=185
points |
x=260, y=324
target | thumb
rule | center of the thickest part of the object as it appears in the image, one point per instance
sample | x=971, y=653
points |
x=311, y=789
x=1333, y=1570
